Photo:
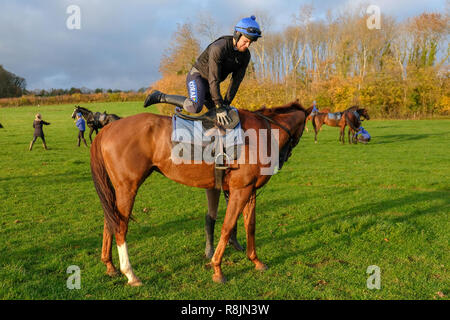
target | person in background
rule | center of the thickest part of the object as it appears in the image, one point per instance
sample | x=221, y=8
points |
x=314, y=110
x=81, y=125
x=363, y=136
x=38, y=131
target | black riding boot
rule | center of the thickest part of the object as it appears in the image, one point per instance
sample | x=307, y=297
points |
x=233, y=237
x=209, y=230
x=159, y=97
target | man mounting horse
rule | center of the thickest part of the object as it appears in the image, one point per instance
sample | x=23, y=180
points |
x=227, y=54
x=146, y=138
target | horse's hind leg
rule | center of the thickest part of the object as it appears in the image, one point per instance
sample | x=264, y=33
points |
x=107, y=253
x=125, y=200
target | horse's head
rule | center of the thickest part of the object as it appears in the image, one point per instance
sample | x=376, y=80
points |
x=363, y=113
x=75, y=111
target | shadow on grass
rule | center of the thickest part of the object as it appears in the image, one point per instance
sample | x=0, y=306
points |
x=401, y=138
x=362, y=210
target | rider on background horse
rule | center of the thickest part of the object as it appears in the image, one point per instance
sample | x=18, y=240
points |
x=314, y=110
x=227, y=54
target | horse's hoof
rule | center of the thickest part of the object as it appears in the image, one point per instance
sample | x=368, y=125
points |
x=260, y=266
x=219, y=278
x=209, y=252
x=111, y=270
x=112, y=273
x=135, y=283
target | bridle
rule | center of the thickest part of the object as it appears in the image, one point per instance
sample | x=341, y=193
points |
x=286, y=151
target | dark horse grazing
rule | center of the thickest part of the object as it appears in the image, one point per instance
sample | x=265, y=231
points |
x=339, y=119
x=353, y=119
x=126, y=152
x=94, y=120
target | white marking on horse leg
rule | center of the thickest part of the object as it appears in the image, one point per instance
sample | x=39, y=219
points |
x=125, y=266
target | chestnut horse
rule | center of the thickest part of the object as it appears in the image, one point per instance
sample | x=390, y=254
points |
x=309, y=118
x=126, y=152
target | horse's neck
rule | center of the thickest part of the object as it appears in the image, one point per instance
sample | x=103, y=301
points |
x=86, y=113
x=290, y=121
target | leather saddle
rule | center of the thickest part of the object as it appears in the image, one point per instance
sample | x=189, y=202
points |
x=209, y=121
x=222, y=159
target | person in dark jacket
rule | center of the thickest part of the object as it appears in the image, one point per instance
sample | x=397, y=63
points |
x=81, y=125
x=38, y=131
x=227, y=54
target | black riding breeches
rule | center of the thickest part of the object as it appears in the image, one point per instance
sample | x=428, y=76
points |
x=198, y=93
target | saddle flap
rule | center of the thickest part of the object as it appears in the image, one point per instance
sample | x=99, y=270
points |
x=335, y=116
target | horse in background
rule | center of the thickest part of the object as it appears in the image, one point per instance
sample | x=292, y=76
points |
x=350, y=117
x=94, y=120
x=353, y=119
x=331, y=119
x=1, y=126
x=309, y=118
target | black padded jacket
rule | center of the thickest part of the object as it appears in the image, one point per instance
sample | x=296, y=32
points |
x=218, y=60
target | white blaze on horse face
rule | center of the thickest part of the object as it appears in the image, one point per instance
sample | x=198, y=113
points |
x=125, y=265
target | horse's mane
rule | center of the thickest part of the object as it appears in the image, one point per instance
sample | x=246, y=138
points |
x=287, y=108
x=353, y=108
x=85, y=109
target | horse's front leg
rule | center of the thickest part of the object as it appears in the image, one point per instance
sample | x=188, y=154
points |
x=213, y=196
x=238, y=199
x=90, y=133
x=250, y=222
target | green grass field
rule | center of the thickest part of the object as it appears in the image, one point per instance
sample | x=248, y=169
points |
x=330, y=213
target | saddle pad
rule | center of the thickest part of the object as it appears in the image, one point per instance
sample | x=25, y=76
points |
x=335, y=116
x=190, y=131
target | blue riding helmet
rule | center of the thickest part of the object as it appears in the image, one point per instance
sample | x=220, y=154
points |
x=79, y=114
x=247, y=27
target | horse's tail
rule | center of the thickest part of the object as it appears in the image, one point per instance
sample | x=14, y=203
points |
x=104, y=187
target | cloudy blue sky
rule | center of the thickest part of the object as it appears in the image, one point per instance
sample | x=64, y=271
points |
x=120, y=43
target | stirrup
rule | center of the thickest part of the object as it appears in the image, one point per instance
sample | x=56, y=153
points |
x=221, y=166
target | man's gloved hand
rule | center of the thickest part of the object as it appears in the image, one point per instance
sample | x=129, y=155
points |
x=222, y=114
